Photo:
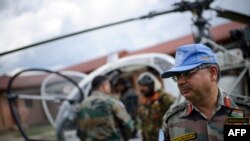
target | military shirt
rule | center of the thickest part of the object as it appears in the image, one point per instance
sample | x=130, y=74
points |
x=102, y=117
x=151, y=113
x=186, y=122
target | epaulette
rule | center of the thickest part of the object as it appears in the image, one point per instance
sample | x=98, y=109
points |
x=242, y=103
x=174, y=110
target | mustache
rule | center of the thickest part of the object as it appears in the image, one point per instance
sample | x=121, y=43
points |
x=183, y=87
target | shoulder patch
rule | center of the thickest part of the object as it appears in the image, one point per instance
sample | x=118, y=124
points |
x=237, y=113
x=174, y=110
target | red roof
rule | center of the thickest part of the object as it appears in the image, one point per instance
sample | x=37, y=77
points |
x=220, y=33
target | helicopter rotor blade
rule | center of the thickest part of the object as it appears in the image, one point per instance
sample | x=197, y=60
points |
x=183, y=6
x=149, y=15
x=235, y=16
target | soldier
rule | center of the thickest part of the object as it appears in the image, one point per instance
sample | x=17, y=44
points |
x=102, y=117
x=155, y=103
x=129, y=99
x=202, y=116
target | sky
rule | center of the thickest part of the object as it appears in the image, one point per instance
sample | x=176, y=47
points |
x=25, y=22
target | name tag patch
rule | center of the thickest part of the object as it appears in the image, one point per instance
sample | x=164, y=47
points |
x=237, y=121
x=185, y=137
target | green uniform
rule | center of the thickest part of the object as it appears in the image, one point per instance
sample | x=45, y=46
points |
x=102, y=117
x=151, y=113
x=186, y=122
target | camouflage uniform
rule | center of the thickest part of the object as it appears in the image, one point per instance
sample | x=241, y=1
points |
x=185, y=122
x=151, y=113
x=130, y=101
x=103, y=118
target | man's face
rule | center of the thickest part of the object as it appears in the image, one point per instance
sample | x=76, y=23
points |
x=120, y=88
x=106, y=87
x=146, y=91
x=196, y=86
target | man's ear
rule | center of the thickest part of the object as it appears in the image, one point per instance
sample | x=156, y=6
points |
x=214, y=73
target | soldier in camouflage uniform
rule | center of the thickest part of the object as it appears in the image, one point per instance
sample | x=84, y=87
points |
x=129, y=98
x=155, y=103
x=203, y=115
x=102, y=117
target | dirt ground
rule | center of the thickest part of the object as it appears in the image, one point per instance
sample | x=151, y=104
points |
x=10, y=136
x=44, y=132
x=39, y=133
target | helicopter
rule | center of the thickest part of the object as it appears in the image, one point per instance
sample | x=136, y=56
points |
x=202, y=35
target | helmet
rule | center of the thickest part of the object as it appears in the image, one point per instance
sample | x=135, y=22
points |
x=145, y=79
x=150, y=80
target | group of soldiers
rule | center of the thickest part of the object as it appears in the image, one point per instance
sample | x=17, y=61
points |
x=104, y=117
x=200, y=117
